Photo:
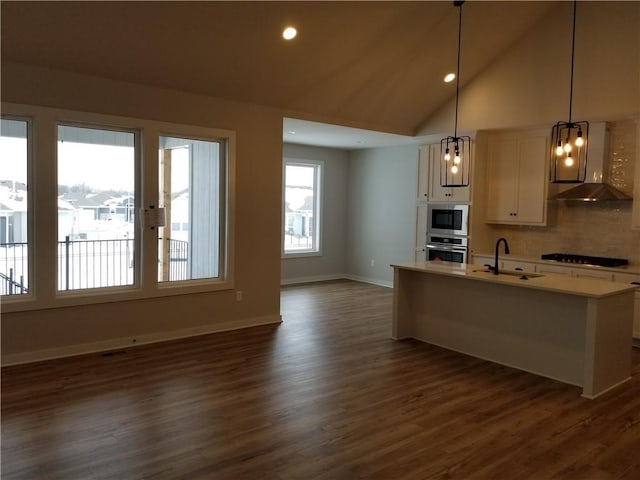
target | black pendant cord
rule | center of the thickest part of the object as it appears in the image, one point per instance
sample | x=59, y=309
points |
x=455, y=125
x=573, y=45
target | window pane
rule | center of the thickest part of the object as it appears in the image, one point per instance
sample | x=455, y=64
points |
x=192, y=193
x=96, y=208
x=300, y=227
x=14, y=271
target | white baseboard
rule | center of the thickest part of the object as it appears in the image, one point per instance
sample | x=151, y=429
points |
x=339, y=276
x=128, y=342
x=312, y=279
x=373, y=281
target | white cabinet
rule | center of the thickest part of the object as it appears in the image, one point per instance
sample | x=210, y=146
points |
x=555, y=269
x=437, y=193
x=517, y=178
x=635, y=215
x=586, y=273
x=423, y=173
x=482, y=260
x=421, y=226
x=629, y=278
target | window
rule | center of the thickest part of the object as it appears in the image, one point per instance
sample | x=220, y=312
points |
x=191, y=174
x=96, y=198
x=14, y=211
x=301, y=207
x=96, y=237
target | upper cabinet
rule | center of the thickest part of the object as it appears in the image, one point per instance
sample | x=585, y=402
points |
x=517, y=178
x=423, y=173
x=635, y=217
x=437, y=193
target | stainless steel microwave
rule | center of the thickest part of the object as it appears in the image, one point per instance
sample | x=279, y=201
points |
x=448, y=219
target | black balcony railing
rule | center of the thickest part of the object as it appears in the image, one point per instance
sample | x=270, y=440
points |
x=87, y=264
x=13, y=269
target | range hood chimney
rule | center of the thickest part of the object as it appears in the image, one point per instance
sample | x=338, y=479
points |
x=595, y=188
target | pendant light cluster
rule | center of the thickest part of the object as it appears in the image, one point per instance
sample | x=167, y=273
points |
x=455, y=151
x=569, y=139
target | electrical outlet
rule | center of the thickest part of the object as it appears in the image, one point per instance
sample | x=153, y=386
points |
x=373, y=263
x=238, y=295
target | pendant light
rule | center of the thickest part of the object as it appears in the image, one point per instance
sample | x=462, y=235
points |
x=569, y=139
x=455, y=151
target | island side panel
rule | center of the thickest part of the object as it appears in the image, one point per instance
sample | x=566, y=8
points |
x=534, y=330
x=609, y=328
x=402, y=315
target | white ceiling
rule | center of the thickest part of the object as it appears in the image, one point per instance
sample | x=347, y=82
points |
x=375, y=65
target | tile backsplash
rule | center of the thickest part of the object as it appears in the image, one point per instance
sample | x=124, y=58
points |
x=595, y=229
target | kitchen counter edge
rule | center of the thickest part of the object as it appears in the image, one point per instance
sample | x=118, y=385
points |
x=585, y=287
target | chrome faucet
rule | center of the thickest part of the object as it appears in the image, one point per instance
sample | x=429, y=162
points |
x=506, y=251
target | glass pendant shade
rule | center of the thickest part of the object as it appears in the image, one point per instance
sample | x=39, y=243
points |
x=569, y=155
x=454, y=170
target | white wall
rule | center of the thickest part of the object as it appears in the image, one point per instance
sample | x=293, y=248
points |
x=529, y=84
x=331, y=264
x=381, y=213
x=37, y=334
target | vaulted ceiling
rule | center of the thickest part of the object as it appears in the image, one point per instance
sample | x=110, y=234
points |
x=376, y=65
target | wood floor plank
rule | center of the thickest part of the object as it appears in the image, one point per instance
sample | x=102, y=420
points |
x=326, y=395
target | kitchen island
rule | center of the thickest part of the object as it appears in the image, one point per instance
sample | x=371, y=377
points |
x=574, y=330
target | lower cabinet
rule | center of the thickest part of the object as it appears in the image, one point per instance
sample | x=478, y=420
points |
x=557, y=269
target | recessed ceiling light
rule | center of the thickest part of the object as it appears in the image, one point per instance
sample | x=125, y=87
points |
x=289, y=33
x=291, y=132
x=449, y=77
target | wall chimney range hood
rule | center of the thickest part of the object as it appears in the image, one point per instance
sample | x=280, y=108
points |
x=595, y=188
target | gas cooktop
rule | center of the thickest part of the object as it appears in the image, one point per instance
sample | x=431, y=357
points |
x=585, y=260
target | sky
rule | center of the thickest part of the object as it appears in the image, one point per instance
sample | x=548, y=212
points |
x=101, y=167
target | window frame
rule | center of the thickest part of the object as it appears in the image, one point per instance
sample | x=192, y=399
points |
x=8, y=300
x=138, y=159
x=318, y=190
x=43, y=293
x=223, y=240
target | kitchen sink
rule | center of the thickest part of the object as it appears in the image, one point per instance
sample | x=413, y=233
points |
x=513, y=273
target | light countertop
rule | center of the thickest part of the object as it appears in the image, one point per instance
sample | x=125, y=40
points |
x=630, y=269
x=586, y=287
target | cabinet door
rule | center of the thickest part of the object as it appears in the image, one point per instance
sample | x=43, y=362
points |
x=437, y=193
x=586, y=273
x=482, y=260
x=532, y=180
x=502, y=180
x=556, y=269
x=636, y=317
x=421, y=226
x=517, y=179
x=423, y=173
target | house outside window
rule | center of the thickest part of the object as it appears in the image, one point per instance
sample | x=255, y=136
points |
x=301, y=216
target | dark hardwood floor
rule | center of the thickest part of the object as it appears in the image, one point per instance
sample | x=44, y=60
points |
x=325, y=395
